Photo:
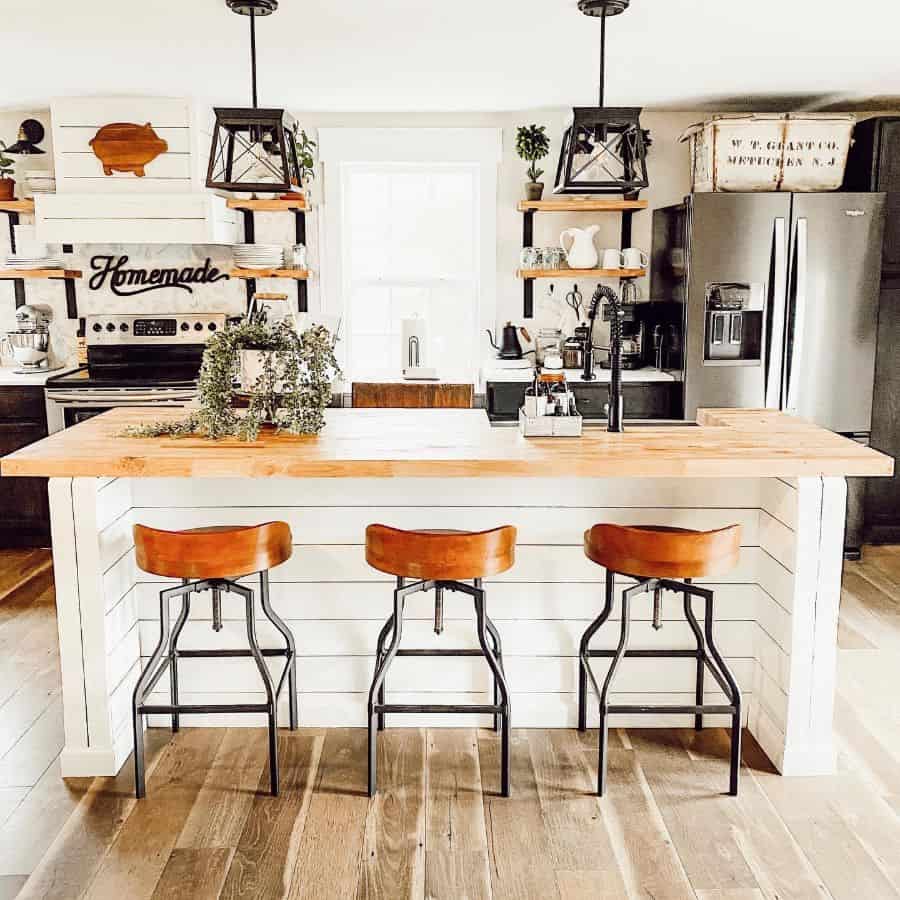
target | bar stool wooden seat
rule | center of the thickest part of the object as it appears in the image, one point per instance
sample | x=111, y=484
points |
x=439, y=560
x=655, y=556
x=212, y=559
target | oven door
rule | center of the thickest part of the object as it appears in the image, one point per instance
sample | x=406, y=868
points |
x=66, y=408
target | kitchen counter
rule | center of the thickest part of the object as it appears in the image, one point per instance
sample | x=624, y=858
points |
x=458, y=443
x=781, y=479
x=9, y=377
x=647, y=375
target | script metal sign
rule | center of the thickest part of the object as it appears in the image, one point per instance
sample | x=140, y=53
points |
x=112, y=271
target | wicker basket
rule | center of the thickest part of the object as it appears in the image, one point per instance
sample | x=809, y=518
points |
x=770, y=152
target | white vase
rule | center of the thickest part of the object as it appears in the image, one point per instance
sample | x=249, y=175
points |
x=582, y=254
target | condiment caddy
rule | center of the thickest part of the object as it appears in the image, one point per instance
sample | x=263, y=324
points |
x=549, y=409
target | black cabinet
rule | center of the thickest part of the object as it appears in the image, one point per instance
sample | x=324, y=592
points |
x=643, y=400
x=874, y=165
x=24, y=506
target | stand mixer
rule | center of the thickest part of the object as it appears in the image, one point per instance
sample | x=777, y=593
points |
x=29, y=344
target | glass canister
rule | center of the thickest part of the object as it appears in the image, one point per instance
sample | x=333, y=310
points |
x=548, y=339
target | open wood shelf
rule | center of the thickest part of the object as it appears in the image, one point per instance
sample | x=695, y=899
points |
x=17, y=206
x=40, y=273
x=276, y=205
x=296, y=274
x=581, y=273
x=581, y=204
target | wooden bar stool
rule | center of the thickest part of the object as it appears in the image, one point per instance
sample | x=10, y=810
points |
x=654, y=556
x=440, y=560
x=212, y=559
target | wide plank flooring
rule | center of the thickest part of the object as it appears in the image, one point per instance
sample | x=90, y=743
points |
x=438, y=829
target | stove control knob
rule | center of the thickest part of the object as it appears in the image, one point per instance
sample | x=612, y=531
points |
x=211, y=326
x=96, y=327
x=123, y=326
x=110, y=326
x=198, y=326
x=184, y=326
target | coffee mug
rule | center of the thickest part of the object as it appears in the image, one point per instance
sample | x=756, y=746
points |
x=635, y=258
x=611, y=259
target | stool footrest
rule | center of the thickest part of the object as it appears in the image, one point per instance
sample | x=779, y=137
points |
x=693, y=710
x=226, y=654
x=168, y=708
x=439, y=652
x=434, y=708
x=649, y=654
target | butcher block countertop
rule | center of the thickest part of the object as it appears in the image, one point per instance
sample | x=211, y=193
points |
x=382, y=443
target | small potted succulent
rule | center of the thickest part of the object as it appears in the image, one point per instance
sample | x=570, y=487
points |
x=532, y=145
x=7, y=168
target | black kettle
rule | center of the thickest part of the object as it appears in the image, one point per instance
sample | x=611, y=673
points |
x=510, y=347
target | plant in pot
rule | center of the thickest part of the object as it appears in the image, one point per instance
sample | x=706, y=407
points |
x=532, y=145
x=306, y=156
x=284, y=379
x=7, y=168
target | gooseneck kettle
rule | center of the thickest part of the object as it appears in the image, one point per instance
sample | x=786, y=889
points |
x=509, y=348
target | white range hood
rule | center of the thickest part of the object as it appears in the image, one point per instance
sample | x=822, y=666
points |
x=159, y=198
x=195, y=218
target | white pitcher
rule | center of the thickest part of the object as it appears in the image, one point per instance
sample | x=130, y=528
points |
x=582, y=254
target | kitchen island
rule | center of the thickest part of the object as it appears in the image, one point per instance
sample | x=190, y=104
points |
x=782, y=479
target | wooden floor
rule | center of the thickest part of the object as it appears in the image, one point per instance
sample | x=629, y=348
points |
x=207, y=829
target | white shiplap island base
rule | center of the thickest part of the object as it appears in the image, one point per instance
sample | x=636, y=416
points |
x=776, y=612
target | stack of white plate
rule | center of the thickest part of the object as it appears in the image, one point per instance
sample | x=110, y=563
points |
x=40, y=182
x=258, y=256
x=21, y=261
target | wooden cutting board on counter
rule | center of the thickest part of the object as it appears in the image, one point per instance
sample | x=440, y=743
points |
x=411, y=395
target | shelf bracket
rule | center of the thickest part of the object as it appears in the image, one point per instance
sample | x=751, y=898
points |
x=71, y=299
x=300, y=234
x=528, y=283
x=626, y=228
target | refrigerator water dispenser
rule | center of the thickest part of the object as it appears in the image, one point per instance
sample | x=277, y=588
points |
x=734, y=320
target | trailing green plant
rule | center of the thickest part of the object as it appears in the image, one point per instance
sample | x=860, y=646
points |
x=7, y=165
x=532, y=145
x=291, y=392
x=306, y=154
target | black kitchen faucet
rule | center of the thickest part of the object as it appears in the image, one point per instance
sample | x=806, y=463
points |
x=615, y=352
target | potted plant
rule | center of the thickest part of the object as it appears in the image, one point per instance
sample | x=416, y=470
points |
x=532, y=145
x=285, y=381
x=306, y=156
x=7, y=168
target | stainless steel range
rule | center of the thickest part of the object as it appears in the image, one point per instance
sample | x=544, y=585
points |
x=133, y=360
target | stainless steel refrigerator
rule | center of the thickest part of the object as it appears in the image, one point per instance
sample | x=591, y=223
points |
x=780, y=302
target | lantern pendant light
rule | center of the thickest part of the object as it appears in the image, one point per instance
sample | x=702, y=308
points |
x=253, y=149
x=604, y=148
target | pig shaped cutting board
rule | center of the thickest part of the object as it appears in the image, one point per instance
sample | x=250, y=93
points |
x=126, y=147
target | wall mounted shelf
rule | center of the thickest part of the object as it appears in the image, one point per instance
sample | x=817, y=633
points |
x=582, y=204
x=277, y=205
x=581, y=273
x=296, y=274
x=598, y=204
x=17, y=206
x=52, y=274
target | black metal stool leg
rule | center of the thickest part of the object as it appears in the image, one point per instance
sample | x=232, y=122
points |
x=498, y=652
x=268, y=683
x=604, y=693
x=382, y=637
x=701, y=655
x=173, y=654
x=147, y=679
x=291, y=662
x=735, y=697
x=584, y=660
x=500, y=682
x=381, y=667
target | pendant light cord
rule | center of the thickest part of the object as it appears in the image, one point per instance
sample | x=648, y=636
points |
x=602, y=56
x=253, y=56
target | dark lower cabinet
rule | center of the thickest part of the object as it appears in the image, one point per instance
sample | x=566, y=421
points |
x=644, y=400
x=24, y=507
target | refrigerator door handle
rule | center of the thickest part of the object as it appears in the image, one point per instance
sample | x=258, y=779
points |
x=798, y=318
x=775, y=336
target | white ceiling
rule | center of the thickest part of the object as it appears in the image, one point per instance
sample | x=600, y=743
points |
x=416, y=55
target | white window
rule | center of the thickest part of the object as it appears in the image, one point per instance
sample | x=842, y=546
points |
x=410, y=247
x=410, y=232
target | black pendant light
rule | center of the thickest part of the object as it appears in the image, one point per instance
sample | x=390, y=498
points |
x=604, y=148
x=31, y=133
x=253, y=149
